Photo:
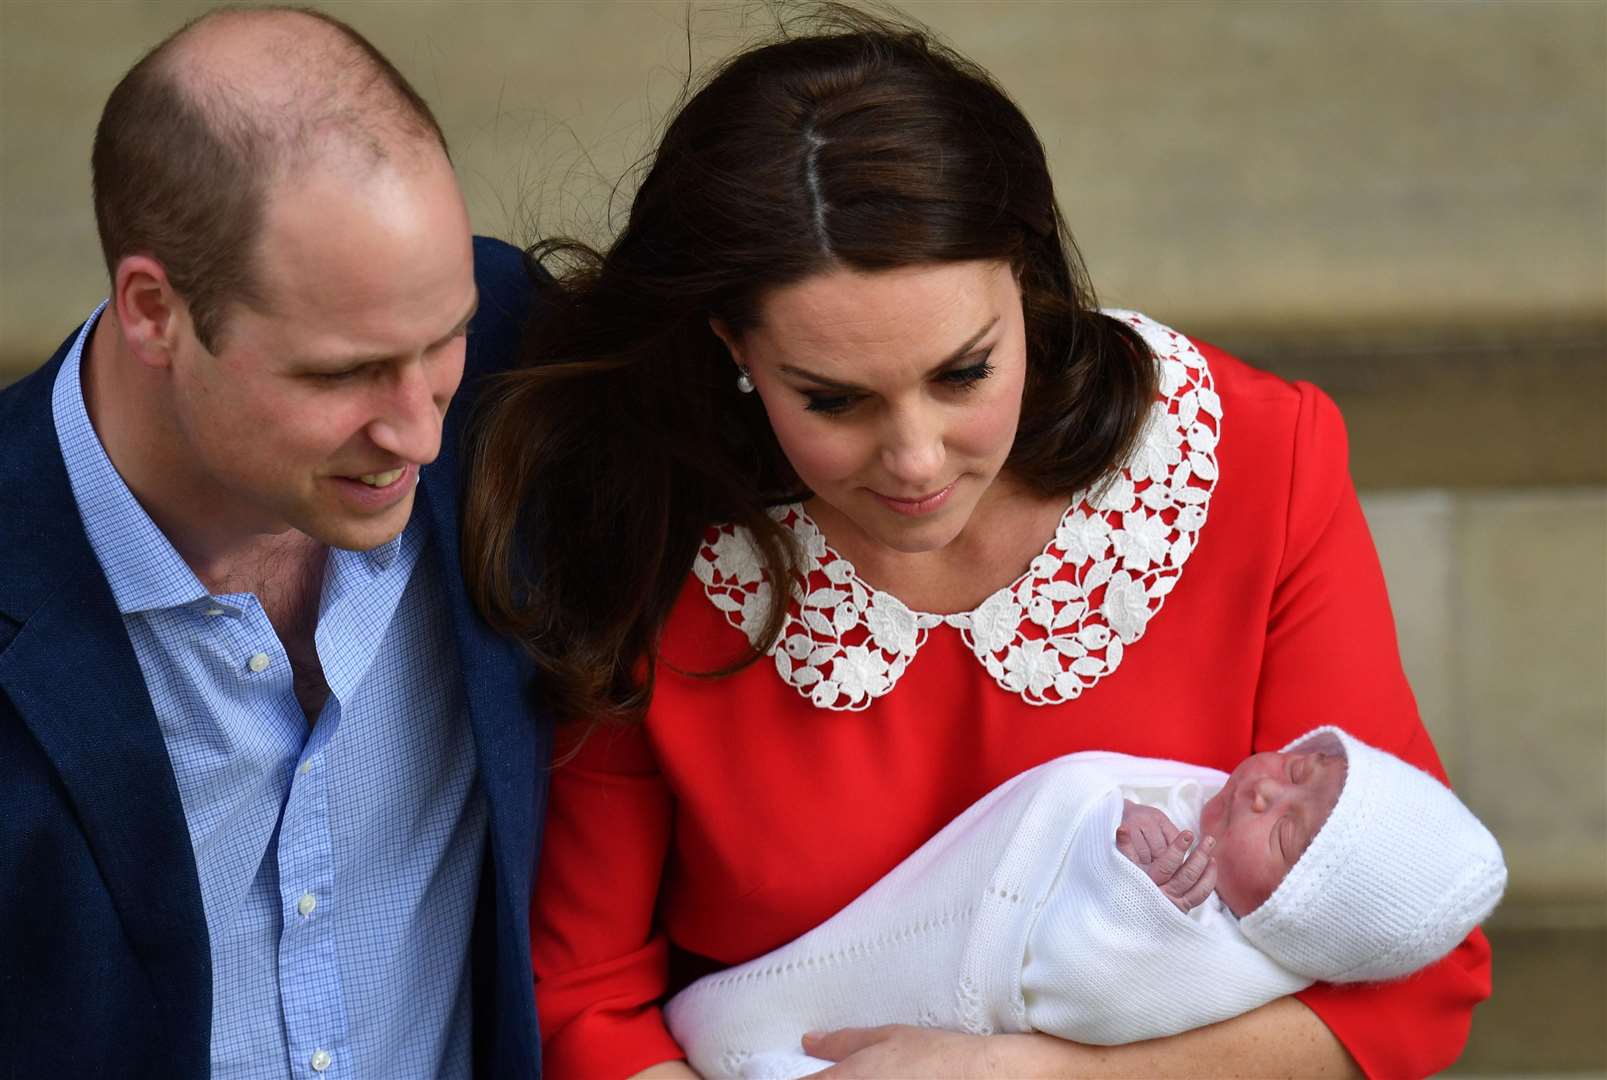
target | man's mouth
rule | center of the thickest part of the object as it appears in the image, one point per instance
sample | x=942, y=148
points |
x=382, y=479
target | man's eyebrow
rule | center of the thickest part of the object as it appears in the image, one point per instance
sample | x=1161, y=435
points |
x=463, y=323
x=357, y=360
x=953, y=357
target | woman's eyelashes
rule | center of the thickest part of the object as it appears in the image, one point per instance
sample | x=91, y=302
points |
x=961, y=378
x=829, y=404
x=967, y=377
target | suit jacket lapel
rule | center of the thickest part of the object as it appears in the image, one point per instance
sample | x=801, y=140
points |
x=496, y=681
x=71, y=674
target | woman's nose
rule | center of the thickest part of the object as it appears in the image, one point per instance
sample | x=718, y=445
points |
x=912, y=451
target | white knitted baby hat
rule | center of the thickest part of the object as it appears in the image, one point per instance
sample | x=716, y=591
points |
x=1396, y=877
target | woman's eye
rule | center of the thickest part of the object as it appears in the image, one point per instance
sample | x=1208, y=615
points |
x=829, y=404
x=967, y=377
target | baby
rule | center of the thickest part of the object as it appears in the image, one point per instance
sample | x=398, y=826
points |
x=1068, y=900
x=1253, y=830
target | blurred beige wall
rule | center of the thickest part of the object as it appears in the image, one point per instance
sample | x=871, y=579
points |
x=1224, y=164
x=1404, y=201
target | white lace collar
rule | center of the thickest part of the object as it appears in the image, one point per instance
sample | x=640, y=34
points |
x=1057, y=629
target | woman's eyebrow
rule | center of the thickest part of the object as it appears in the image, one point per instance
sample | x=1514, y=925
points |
x=957, y=355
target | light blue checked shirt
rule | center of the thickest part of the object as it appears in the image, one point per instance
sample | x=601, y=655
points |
x=339, y=863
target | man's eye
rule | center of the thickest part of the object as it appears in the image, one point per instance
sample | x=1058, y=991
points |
x=343, y=375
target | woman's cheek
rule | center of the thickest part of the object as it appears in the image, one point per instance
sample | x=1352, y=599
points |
x=822, y=451
x=987, y=430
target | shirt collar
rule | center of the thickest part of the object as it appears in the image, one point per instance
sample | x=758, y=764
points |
x=143, y=569
x=379, y=559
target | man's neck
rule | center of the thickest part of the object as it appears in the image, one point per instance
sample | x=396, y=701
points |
x=129, y=413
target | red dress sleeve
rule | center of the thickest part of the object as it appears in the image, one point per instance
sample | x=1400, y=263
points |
x=1331, y=658
x=600, y=963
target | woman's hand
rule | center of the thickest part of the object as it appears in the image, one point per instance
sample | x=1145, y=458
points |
x=1281, y=1038
x=896, y=1050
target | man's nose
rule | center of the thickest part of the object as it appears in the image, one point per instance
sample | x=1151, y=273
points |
x=410, y=417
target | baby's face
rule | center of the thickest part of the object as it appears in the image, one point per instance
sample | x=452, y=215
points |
x=1263, y=818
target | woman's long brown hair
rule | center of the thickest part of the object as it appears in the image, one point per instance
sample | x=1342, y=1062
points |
x=600, y=464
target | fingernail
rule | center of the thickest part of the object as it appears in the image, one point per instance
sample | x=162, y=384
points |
x=813, y=1036
x=1208, y=843
x=1186, y=837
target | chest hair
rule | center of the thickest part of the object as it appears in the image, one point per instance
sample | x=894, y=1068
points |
x=287, y=579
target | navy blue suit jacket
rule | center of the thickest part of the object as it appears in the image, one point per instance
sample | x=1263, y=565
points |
x=105, y=968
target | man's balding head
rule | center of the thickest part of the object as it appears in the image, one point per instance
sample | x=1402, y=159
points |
x=196, y=135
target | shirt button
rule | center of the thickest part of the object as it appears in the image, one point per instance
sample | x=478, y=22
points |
x=214, y=611
x=320, y=1060
x=306, y=767
x=305, y=905
x=259, y=662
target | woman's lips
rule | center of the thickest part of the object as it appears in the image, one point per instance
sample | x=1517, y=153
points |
x=925, y=504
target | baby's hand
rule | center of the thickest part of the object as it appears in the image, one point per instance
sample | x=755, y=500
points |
x=1148, y=837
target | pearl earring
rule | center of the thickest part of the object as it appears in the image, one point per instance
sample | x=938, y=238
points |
x=744, y=380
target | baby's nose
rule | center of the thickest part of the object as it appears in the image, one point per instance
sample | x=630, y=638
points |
x=1263, y=793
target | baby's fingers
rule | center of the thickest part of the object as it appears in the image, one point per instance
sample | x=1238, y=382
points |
x=1124, y=844
x=1183, y=883
x=1201, y=889
x=1168, y=862
x=1132, y=842
x=1169, y=832
x=1155, y=838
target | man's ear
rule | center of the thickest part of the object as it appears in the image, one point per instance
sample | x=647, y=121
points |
x=150, y=314
x=725, y=334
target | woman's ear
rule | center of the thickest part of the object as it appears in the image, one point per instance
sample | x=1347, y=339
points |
x=725, y=334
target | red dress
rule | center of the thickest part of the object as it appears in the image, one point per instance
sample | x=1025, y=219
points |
x=1197, y=626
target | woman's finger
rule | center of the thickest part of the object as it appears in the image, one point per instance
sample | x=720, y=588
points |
x=836, y=1045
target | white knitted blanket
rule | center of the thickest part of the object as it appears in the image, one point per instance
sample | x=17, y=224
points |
x=1020, y=915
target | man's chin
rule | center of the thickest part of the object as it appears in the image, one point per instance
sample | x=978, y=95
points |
x=363, y=534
